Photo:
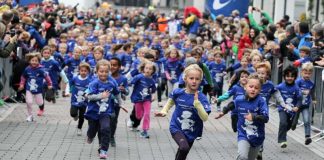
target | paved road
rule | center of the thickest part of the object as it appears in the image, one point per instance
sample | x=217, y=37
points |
x=53, y=136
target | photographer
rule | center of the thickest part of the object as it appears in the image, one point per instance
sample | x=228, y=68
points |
x=6, y=46
x=317, y=50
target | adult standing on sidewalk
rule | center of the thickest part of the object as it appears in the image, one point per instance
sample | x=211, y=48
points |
x=6, y=47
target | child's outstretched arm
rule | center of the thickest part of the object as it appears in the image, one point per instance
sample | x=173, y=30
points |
x=226, y=109
x=165, y=109
x=201, y=111
x=278, y=97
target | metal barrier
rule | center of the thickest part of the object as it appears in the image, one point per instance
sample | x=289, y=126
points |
x=6, y=72
x=319, y=106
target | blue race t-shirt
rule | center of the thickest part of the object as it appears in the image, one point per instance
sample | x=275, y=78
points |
x=185, y=118
x=306, y=87
x=34, y=79
x=78, y=87
x=102, y=107
x=143, y=88
x=251, y=131
x=291, y=94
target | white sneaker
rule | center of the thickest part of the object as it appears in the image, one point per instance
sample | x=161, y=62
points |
x=30, y=118
x=79, y=132
x=129, y=123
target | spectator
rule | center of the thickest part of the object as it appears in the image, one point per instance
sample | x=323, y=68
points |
x=5, y=51
x=305, y=39
x=317, y=50
x=264, y=21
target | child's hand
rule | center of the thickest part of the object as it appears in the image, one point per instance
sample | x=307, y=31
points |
x=50, y=87
x=219, y=115
x=105, y=94
x=295, y=109
x=159, y=114
x=122, y=88
x=21, y=88
x=213, y=99
x=248, y=116
x=196, y=95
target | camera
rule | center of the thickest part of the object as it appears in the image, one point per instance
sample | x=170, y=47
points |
x=14, y=32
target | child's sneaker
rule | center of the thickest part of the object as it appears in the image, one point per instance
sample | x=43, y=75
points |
x=160, y=104
x=219, y=109
x=259, y=157
x=30, y=118
x=40, y=112
x=134, y=129
x=103, y=154
x=129, y=123
x=113, y=141
x=79, y=132
x=283, y=144
x=89, y=140
x=308, y=140
x=144, y=134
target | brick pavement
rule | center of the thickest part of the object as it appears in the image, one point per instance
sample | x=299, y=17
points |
x=53, y=136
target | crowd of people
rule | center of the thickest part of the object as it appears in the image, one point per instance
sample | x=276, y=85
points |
x=100, y=56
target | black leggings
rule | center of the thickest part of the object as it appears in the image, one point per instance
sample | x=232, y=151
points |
x=184, y=145
x=136, y=122
x=78, y=111
x=114, y=121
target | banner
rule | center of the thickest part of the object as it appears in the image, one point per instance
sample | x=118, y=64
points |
x=28, y=2
x=225, y=7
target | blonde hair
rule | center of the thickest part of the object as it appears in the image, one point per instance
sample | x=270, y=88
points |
x=308, y=66
x=190, y=68
x=254, y=53
x=99, y=48
x=256, y=77
x=103, y=62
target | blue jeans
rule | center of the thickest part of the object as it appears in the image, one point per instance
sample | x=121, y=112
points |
x=306, y=119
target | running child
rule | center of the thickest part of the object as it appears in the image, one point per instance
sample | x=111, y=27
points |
x=100, y=107
x=308, y=93
x=292, y=96
x=123, y=88
x=191, y=107
x=79, y=84
x=33, y=80
x=252, y=111
x=142, y=95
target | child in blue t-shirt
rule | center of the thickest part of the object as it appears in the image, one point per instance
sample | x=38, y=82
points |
x=217, y=69
x=191, y=110
x=173, y=68
x=123, y=88
x=54, y=70
x=307, y=90
x=100, y=94
x=235, y=91
x=252, y=113
x=142, y=95
x=33, y=80
x=79, y=84
x=292, y=97
x=72, y=63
